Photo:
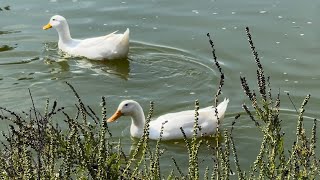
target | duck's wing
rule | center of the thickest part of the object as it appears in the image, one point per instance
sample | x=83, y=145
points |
x=172, y=122
x=176, y=120
x=111, y=46
x=98, y=41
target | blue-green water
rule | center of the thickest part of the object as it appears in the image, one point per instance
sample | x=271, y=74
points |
x=169, y=61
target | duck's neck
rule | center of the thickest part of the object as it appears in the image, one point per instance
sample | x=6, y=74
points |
x=138, y=121
x=64, y=33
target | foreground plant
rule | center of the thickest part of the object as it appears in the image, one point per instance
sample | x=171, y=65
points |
x=37, y=148
x=272, y=162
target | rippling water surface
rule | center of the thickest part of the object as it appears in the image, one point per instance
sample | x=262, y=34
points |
x=169, y=61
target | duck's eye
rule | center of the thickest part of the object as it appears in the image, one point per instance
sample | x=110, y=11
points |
x=126, y=105
x=53, y=19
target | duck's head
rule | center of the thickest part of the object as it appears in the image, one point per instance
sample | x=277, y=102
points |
x=126, y=108
x=56, y=21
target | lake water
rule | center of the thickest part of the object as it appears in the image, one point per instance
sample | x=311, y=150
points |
x=170, y=59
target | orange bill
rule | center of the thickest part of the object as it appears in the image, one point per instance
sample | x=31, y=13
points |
x=48, y=26
x=115, y=116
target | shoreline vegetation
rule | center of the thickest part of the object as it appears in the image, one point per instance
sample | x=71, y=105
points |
x=36, y=147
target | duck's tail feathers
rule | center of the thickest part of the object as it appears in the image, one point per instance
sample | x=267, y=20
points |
x=125, y=38
x=222, y=107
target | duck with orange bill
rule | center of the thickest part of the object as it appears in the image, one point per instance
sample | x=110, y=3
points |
x=207, y=120
x=109, y=47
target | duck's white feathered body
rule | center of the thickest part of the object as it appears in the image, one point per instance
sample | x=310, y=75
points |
x=111, y=46
x=207, y=121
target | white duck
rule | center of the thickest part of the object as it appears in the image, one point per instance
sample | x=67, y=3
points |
x=111, y=46
x=171, y=130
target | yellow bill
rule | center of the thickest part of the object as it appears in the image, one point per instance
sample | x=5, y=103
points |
x=48, y=26
x=115, y=116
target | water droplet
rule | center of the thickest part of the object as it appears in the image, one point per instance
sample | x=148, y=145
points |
x=192, y=93
x=293, y=22
x=280, y=17
x=301, y=34
x=195, y=11
x=295, y=82
x=233, y=12
x=154, y=28
x=285, y=73
x=215, y=13
x=278, y=42
x=224, y=28
x=309, y=22
x=262, y=12
x=286, y=80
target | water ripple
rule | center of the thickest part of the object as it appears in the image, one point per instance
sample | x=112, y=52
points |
x=163, y=62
